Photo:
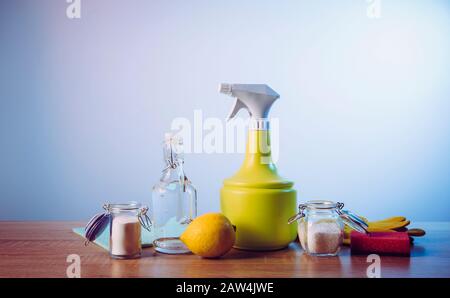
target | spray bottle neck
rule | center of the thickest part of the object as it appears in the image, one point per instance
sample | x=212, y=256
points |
x=258, y=150
x=259, y=124
x=258, y=169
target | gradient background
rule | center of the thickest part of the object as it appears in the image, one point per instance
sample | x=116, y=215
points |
x=84, y=103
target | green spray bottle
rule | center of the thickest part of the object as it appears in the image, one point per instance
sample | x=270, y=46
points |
x=256, y=199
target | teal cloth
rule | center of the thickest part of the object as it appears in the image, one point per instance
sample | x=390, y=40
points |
x=103, y=239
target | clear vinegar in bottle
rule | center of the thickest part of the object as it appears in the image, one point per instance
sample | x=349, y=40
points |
x=174, y=200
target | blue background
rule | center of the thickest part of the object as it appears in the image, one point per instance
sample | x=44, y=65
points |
x=84, y=103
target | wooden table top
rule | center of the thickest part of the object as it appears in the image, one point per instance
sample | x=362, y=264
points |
x=40, y=249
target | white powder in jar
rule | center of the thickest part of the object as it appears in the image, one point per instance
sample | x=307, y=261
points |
x=125, y=236
x=321, y=237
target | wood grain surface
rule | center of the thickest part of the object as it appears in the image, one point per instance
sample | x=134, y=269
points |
x=40, y=249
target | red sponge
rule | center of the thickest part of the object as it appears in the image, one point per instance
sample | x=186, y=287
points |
x=383, y=243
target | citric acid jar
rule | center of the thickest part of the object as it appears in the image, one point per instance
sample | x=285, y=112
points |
x=321, y=226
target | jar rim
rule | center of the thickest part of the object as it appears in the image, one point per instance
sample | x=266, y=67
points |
x=321, y=204
x=130, y=206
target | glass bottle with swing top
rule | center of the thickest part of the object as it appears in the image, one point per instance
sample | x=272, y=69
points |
x=174, y=200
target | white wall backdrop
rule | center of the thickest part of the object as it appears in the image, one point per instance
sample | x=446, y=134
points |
x=84, y=103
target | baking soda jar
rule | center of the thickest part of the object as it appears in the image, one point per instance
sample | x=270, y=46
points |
x=321, y=226
x=125, y=229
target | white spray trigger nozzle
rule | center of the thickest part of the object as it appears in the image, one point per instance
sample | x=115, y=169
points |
x=257, y=99
x=238, y=105
x=225, y=88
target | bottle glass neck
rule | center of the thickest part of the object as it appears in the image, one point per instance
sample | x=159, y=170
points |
x=173, y=159
x=172, y=152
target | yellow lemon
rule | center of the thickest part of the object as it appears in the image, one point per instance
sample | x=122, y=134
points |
x=210, y=235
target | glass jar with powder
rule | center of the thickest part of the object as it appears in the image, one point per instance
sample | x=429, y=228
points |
x=321, y=226
x=125, y=229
